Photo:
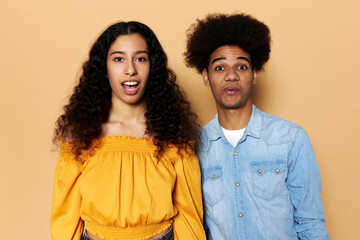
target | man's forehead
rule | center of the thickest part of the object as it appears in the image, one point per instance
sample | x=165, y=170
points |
x=229, y=53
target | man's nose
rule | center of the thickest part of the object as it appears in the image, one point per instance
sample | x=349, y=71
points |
x=231, y=75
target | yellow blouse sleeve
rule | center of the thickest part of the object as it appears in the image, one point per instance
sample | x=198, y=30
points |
x=65, y=222
x=188, y=223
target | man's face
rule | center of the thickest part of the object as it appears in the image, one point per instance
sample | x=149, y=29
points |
x=230, y=77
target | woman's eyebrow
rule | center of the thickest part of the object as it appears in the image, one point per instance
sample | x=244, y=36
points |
x=122, y=52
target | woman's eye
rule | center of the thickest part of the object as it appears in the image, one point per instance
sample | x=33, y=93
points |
x=118, y=59
x=243, y=67
x=219, y=68
x=141, y=59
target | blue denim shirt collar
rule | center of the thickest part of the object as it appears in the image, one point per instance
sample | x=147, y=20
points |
x=253, y=128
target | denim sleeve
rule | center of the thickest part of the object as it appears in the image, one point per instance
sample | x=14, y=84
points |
x=304, y=185
x=207, y=230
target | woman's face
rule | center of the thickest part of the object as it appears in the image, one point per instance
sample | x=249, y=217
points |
x=128, y=68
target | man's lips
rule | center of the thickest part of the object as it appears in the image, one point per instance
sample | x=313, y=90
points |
x=231, y=90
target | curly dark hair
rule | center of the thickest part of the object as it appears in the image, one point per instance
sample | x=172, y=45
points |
x=169, y=118
x=218, y=30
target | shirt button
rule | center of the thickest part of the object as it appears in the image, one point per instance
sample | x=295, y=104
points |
x=213, y=176
x=277, y=170
x=235, y=153
x=259, y=171
x=202, y=179
x=240, y=214
x=237, y=184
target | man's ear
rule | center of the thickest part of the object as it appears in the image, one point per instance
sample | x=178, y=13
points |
x=205, y=77
x=255, y=77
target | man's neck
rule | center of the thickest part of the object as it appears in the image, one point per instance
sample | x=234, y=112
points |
x=235, y=119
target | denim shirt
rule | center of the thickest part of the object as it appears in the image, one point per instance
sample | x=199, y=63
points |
x=267, y=187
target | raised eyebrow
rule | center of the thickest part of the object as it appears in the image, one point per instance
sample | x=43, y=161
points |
x=223, y=58
x=244, y=58
x=217, y=59
x=122, y=52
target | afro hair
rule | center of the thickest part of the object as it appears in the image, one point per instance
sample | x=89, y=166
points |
x=218, y=30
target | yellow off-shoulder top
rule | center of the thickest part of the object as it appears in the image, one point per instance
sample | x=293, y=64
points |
x=123, y=191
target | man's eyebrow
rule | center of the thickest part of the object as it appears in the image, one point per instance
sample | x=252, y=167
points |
x=244, y=58
x=121, y=52
x=223, y=58
x=217, y=59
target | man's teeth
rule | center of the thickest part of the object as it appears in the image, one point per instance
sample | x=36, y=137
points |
x=131, y=83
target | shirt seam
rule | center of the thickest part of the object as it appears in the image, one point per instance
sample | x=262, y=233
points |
x=291, y=163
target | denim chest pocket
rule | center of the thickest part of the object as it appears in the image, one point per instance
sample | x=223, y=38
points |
x=268, y=179
x=212, y=185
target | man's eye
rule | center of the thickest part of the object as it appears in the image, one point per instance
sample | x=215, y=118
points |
x=243, y=67
x=219, y=68
x=141, y=59
x=118, y=59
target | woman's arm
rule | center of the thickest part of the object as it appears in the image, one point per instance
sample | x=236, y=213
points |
x=65, y=222
x=188, y=223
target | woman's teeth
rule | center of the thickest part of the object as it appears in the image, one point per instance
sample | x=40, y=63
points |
x=131, y=83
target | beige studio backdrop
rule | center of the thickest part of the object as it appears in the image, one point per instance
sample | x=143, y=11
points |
x=312, y=79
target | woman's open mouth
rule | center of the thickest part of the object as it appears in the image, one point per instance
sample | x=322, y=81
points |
x=131, y=87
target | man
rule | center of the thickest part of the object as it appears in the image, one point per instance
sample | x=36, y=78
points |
x=260, y=178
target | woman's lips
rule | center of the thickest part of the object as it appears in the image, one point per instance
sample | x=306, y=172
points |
x=131, y=87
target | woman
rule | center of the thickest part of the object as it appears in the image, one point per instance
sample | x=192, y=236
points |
x=127, y=168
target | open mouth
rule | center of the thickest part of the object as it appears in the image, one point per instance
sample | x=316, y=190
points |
x=231, y=90
x=130, y=87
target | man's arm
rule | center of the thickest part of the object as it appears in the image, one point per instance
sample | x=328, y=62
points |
x=304, y=185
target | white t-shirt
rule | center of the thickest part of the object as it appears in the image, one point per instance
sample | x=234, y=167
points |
x=233, y=136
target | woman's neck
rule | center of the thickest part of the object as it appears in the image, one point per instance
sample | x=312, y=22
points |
x=126, y=120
